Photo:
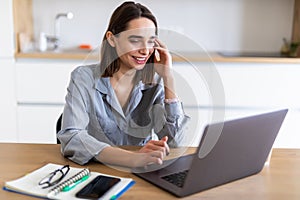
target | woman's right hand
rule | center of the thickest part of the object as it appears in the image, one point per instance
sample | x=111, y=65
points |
x=144, y=159
x=157, y=145
x=152, y=153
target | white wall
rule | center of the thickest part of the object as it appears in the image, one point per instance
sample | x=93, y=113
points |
x=6, y=32
x=8, y=105
x=218, y=25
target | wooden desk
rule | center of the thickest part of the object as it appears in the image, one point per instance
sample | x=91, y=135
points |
x=279, y=180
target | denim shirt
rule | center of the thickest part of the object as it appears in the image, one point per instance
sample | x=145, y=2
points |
x=93, y=118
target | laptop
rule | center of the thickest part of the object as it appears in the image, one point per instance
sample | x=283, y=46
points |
x=228, y=151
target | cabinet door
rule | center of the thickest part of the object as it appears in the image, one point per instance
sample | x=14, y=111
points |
x=256, y=85
x=8, y=103
x=6, y=30
x=37, y=124
x=41, y=89
x=42, y=82
x=257, y=88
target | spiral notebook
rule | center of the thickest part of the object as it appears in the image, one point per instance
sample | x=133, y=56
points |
x=28, y=184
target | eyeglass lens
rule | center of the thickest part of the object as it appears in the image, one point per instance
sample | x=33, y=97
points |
x=54, y=177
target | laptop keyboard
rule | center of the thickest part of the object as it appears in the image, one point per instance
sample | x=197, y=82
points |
x=176, y=178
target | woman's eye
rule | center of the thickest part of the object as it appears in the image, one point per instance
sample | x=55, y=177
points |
x=134, y=41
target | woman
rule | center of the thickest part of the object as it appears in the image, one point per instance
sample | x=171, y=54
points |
x=120, y=102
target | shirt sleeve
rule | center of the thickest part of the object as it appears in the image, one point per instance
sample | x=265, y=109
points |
x=76, y=143
x=170, y=120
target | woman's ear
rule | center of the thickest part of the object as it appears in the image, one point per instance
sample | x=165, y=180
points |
x=110, y=38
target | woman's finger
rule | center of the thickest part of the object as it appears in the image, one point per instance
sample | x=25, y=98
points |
x=161, y=145
x=154, y=147
x=160, y=44
x=165, y=138
x=158, y=143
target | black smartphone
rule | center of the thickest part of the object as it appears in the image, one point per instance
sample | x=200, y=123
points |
x=97, y=187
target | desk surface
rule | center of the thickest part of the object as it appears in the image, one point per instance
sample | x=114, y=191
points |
x=279, y=180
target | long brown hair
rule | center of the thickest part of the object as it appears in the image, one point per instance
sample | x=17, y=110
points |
x=118, y=23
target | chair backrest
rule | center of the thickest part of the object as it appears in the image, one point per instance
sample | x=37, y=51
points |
x=58, y=127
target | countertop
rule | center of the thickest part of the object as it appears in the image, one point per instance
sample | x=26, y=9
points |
x=177, y=57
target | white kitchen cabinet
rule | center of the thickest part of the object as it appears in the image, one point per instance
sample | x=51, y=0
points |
x=41, y=89
x=8, y=105
x=254, y=88
x=254, y=85
x=249, y=89
x=43, y=82
x=37, y=123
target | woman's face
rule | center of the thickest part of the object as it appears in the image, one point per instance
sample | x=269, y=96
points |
x=135, y=45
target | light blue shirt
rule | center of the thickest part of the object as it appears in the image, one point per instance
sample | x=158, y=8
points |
x=93, y=118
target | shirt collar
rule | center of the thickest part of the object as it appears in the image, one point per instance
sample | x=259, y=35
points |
x=102, y=84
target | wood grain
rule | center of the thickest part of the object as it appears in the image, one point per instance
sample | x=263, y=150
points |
x=279, y=180
x=187, y=57
x=23, y=20
x=296, y=24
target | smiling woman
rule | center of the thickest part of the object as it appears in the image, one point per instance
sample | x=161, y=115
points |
x=126, y=99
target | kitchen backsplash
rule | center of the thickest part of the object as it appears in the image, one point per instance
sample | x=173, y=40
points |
x=215, y=25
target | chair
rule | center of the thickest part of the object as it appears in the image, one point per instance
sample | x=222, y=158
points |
x=58, y=127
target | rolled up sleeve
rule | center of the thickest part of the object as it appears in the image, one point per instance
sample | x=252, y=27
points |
x=170, y=120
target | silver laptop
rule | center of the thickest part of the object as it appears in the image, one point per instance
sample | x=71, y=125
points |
x=227, y=151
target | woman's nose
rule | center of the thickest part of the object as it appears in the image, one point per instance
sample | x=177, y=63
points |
x=144, y=51
x=145, y=48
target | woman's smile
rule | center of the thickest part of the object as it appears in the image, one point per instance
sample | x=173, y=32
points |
x=140, y=60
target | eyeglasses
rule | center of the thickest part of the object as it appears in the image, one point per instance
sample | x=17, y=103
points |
x=54, y=177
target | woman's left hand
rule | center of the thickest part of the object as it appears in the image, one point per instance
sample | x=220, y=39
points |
x=163, y=61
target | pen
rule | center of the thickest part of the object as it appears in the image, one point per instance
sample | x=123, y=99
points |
x=70, y=187
x=116, y=196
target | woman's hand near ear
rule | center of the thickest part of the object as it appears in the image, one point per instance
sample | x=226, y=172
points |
x=163, y=67
x=163, y=64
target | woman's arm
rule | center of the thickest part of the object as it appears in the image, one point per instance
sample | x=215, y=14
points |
x=152, y=152
x=117, y=156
